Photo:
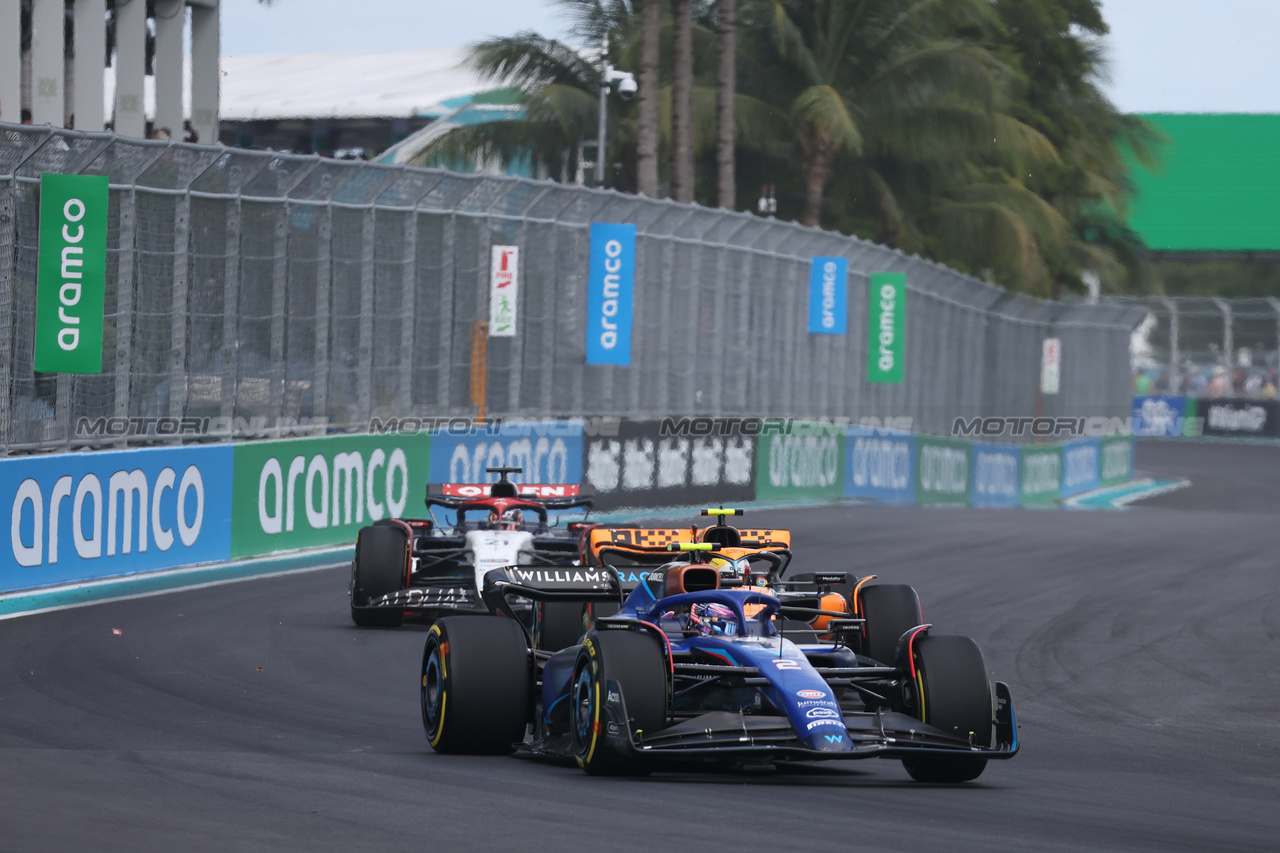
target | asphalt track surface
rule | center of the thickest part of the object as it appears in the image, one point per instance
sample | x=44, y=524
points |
x=1141, y=648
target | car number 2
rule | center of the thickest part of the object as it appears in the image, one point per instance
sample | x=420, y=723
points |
x=786, y=663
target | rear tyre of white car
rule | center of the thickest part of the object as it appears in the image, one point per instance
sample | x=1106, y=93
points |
x=382, y=557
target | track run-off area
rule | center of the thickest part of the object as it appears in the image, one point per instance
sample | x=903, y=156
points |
x=1141, y=648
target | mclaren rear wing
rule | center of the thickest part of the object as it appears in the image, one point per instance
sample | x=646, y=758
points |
x=648, y=546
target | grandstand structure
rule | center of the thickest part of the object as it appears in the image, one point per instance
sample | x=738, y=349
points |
x=356, y=103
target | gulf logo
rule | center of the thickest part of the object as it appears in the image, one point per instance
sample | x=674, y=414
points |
x=811, y=694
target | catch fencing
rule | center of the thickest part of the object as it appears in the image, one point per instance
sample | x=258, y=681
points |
x=1206, y=346
x=248, y=287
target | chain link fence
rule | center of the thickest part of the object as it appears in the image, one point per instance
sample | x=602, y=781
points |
x=255, y=288
x=1205, y=346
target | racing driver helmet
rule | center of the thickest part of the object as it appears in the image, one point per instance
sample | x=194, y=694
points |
x=712, y=619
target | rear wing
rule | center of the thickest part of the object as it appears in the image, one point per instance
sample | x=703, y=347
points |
x=649, y=544
x=556, y=496
x=528, y=491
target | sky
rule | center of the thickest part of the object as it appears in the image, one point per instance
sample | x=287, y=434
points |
x=1164, y=55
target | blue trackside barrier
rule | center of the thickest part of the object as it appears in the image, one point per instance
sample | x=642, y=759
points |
x=84, y=516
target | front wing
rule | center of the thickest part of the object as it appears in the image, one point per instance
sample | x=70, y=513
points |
x=884, y=734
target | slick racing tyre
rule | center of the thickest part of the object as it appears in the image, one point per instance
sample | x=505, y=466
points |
x=382, y=553
x=635, y=662
x=951, y=692
x=475, y=685
x=890, y=610
x=560, y=624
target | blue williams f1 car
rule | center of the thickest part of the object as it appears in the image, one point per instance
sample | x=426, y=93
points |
x=695, y=667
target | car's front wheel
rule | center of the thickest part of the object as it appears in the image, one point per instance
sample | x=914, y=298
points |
x=635, y=663
x=951, y=691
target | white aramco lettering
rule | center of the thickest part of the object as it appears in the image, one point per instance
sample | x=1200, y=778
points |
x=126, y=492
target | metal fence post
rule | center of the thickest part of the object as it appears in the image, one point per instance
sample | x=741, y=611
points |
x=124, y=303
x=408, y=311
x=1228, y=341
x=230, y=309
x=178, y=325
x=447, y=267
x=279, y=301
x=1275, y=306
x=7, y=235
x=1175, y=376
x=364, y=394
x=324, y=281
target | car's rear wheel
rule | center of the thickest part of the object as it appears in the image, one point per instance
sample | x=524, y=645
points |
x=475, y=685
x=635, y=663
x=952, y=692
x=382, y=553
x=890, y=610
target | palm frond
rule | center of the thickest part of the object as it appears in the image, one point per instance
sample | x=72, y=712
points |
x=824, y=109
x=531, y=61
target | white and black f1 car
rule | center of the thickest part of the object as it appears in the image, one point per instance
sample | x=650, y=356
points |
x=695, y=667
x=421, y=567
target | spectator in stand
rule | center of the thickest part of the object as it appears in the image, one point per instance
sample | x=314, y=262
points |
x=26, y=116
x=1268, y=391
x=1253, y=385
x=1162, y=383
x=1141, y=384
x=1217, y=386
x=1195, y=385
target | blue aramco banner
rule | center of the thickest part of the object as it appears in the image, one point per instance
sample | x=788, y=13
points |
x=829, y=296
x=548, y=451
x=995, y=476
x=880, y=465
x=610, y=285
x=82, y=516
x=1081, y=466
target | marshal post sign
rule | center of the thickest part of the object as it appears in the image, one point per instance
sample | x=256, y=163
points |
x=72, y=276
x=504, y=284
x=887, y=310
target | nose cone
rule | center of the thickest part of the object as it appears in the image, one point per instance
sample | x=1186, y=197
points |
x=832, y=736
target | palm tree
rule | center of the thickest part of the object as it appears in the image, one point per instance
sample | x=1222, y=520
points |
x=682, y=103
x=907, y=121
x=727, y=56
x=647, y=121
x=877, y=67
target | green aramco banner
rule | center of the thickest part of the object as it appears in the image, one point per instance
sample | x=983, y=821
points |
x=72, y=277
x=887, y=310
